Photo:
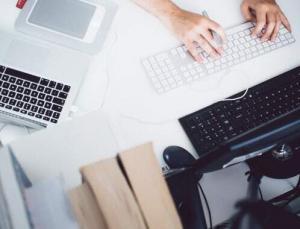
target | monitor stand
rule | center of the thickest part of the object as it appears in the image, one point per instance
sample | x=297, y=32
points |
x=183, y=184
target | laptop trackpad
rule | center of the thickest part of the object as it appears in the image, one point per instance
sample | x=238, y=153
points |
x=27, y=57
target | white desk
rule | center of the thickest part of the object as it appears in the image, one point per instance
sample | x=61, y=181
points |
x=117, y=83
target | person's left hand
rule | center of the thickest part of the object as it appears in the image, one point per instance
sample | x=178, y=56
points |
x=268, y=17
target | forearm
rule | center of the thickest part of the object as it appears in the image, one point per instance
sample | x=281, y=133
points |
x=163, y=9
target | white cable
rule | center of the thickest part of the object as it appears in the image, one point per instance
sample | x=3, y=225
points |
x=3, y=126
x=237, y=98
x=107, y=67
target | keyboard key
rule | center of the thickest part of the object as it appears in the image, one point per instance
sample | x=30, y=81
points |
x=5, y=100
x=19, y=82
x=56, y=115
x=30, y=113
x=27, y=106
x=26, y=84
x=56, y=108
x=20, y=89
x=47, y=105
x=16, y=109
x=33, y=86
x=12, y=94
x=62, y=95
x=5, y=85
x=12, y=87
x=19, y=96
x=8, y=107
x=5, y=77
x=52, y=84
x=4, y=92
x=41, y=111
x=44, y=82
x=54, y=93
x=49, y=98
x=12, y=80
x=26, y=98
x=27, y=91
x=41, y=88
x=23, y=111
x=2, y=104
x=59, y=86
x=48, y=90
x=2, y=69
x=66, y=88
x=41, y=96
x=38, y=116
x=41, y=103
x=54, y=120
x=34, y=109
x=49, y=113
x=33, y=101
x=22, y=75
x=20, y=104
x=12, y=102
x=34, y=94
x=58, y=101
x=46, y=118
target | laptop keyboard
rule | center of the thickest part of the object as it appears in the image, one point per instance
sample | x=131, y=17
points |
x=224, y=120
x=31, y=95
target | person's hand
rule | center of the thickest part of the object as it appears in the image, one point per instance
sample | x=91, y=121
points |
x=268, y=17
x=195, y=30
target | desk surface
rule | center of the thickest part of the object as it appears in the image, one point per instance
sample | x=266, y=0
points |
x=117, y=84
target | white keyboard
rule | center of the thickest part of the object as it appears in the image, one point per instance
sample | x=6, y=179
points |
x=175, y=67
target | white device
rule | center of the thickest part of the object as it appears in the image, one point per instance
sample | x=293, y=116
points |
x=38, y=80
x=172, y=68
x=77, y=24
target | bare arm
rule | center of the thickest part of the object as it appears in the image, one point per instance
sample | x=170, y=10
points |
x=192, y=29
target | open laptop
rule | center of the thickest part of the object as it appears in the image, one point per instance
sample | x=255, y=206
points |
x=41, y=72
x=38, y=80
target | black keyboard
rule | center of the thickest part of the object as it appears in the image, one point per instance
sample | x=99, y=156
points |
x=222, y=121
x=31, y=95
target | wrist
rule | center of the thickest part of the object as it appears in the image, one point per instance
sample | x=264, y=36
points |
x=167, y=14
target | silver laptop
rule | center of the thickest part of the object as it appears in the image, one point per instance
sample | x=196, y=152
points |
x=38, y=80
x=41, y=72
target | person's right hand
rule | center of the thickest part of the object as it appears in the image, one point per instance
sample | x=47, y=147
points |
x=194, y=30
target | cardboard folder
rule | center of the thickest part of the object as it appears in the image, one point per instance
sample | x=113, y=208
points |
x=129, y=191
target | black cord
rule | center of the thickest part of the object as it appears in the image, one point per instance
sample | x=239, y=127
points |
x=298, y=183
x=207, y=205
x=260, y=193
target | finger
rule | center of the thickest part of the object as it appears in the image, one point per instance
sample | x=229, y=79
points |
x=285, y=22
x=203, y=43
x=218, y=29
x=246, y=12
x=261, y=22
x=193, y=51
x=270, y=27
x=276, y=29
x=210, y=39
